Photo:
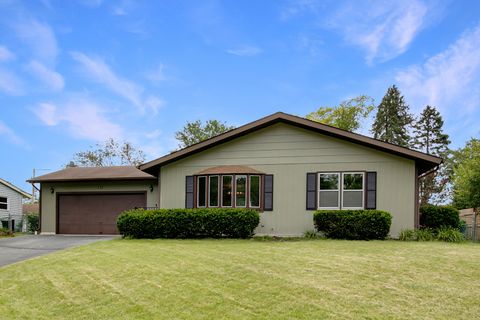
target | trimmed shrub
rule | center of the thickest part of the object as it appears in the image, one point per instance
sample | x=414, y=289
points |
x=439, y=216
x=188, y=223
x=353, y=224
x=32, y=222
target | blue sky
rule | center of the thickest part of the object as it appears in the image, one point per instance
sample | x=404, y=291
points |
x=76, y=72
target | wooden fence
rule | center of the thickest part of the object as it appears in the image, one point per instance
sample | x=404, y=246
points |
x=473, y=225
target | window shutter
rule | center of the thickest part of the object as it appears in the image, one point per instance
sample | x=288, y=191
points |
x=268, y=193
x=371, y=191
x=311, y=191
x=189, y=184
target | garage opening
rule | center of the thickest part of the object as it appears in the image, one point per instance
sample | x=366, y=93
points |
x=94, y=213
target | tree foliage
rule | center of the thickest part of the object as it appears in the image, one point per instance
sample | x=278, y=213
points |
x=430, y=138
x=347, y=116
x=393, y=119
x=466, y=175
x=109, y=153
x=196, y=131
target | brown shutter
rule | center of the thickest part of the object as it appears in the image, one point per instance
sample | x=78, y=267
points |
x=371, y=190
x=311, y=191
x=189, y=196
x=268, y=193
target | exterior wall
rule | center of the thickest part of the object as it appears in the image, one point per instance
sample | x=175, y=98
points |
x=48, y=200
x=289, y=153
x=14, y=205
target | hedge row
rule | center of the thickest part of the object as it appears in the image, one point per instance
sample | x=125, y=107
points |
x=435, y=217
x=353, y=224
x=188, y=223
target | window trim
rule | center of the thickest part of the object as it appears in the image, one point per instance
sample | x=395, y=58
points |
x=327, y=190
x=198, y=191
x=354, y=190
x=218, y=191
x=6, y=203
x=232, y=199
x=259, y=191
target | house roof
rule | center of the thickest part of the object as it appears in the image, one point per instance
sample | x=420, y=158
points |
x=425, y=162
x=15, y=188
x=233, y=169
x=94, y=174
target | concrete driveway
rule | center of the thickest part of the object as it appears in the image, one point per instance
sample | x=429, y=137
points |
x=25, y=247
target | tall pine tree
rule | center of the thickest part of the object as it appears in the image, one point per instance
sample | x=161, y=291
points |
x=430, y=138
x=393, y=119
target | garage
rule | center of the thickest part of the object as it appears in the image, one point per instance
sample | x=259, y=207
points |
x=94, y=213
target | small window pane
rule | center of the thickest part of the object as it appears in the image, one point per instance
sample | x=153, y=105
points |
x=213, y=196
x=202, y=191
x=241, y=191
x=329, y=181
x=3, y=199
x=3, y=206
x=254, y=191
x=328, y=199
x=226, y=191
x=353, y=181
x=353, y=199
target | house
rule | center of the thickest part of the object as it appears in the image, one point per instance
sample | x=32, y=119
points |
x=11, y=199
x=282, y=165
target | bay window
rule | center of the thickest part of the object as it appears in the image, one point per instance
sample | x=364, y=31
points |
x=227, y=191
x=202, y=192
x=254, y=192
x=213, y=191
x=241, y=191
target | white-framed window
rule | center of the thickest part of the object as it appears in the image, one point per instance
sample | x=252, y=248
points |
x=353, y=186
x=202, y=192
x=213, y=183
x=240, y=191
x=227, y=191
x=329, y=190
x=4, y=203
x=254, y=191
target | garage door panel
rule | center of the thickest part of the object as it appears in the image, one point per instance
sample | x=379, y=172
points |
x=94, y=213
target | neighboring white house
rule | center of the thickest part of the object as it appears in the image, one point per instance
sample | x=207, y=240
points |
x=11, y=199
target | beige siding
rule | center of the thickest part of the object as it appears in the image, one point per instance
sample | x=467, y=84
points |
x=289, y=153
x=49, y=200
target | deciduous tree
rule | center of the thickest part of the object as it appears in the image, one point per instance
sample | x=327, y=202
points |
x=196, y=131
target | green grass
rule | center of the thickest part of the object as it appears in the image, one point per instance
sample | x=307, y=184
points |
x=246, y=279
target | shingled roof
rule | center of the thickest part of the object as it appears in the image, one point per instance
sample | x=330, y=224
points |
x=425, y=162
x=94, y=174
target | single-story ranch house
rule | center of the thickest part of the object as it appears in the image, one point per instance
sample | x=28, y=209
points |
x=285, y=166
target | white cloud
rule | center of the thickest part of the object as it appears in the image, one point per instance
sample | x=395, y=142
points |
x=154, y=104
x=40, y=37
x=384, y=29
x=8, y=134
x=245, y=50
x=82, y=118
x=157, y=75
x=5, y=54
x=50, y=78
x=101, y=72
x=10, y=83
x=449, y=79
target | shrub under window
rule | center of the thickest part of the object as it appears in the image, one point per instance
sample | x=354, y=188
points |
x=188, y=223
x=353, y=224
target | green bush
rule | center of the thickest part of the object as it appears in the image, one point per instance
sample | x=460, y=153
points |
x=450, y=235
x=436, y=217
x=353, y=224
x=427, y=234
x=188, y=223
x=33, y=222
x=5, y=232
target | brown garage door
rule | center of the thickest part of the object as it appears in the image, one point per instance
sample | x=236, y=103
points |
x=94, y=213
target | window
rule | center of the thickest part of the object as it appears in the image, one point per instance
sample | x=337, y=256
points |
x=241, y=191
x=213, y=191
x=202, y=192
x=227, y=191
x=254, y=196
x=3, y=203
x=329, y=191
x=352, y=193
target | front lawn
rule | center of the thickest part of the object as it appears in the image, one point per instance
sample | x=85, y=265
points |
x=238, y=279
